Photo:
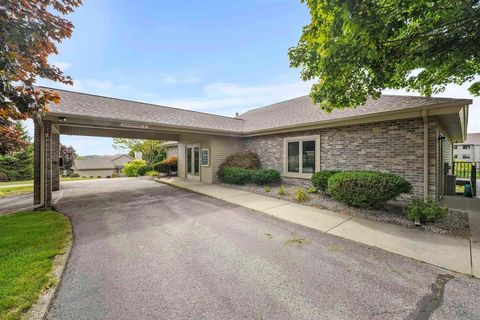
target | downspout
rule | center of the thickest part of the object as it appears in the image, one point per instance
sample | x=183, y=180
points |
x=42, y=161
x=425, y=153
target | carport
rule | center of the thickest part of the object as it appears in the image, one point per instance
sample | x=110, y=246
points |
x=92, y=115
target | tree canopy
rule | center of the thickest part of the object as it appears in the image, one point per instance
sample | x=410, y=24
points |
x=356, y=49
x=68, y=153
x=151, y=149
x=29, y=33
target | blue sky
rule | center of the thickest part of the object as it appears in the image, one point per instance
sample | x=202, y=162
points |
x=213, y=56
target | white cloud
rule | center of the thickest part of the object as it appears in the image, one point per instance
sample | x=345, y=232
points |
x=62, y=65
x=170, y=79
x=228, y=98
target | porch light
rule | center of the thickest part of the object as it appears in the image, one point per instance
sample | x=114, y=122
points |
x=62, y=119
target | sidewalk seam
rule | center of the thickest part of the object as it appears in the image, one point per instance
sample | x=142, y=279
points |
x=471, y=257
x=338, y=225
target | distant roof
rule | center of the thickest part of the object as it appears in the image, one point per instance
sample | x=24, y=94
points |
x=94, y=162
x=472, y=138
x=290, y=113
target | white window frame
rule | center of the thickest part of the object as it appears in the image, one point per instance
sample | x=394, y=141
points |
x=300, y=139
x=208, y=157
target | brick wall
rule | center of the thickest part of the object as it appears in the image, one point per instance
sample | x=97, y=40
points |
x=392, y=146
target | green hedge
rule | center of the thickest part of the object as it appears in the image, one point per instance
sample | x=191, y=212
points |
x=265, y=176
x=320, y=179
x=144, y=169
x=236, y=175
x=366, y=189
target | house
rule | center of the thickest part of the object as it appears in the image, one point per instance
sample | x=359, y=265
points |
x=407, y=135
x=469, y=150
x=100, y=166
x=171, y=148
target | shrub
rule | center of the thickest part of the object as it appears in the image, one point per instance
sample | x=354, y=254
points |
x=266, y=188
x=320, y=179
x=425, y=210
x=144, y=169
x=366, y=189
x=74, y=175
x=243, y=159
x=114, y=175
x=167, y=166
x=130, y=169
x=108, y=177
x=152, y=173
x=3, y=177
x=99, y=177
x=265, y=176
x=311, y=190
x=282, y=191
x=300, y=195
x=234, y=175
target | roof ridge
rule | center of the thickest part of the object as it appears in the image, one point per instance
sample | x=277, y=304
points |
x=141, y=102
x=273, y=104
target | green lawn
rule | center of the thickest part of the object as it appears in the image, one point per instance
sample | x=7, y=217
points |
x=31, y=181
x=29, y=241
x=10, y=191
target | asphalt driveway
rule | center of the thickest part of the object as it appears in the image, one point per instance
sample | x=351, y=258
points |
x=144, y=250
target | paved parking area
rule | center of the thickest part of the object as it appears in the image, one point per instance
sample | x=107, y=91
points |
x=144, y=250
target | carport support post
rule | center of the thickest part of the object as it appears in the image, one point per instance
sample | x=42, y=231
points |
x=55, y=162
x=42, y=176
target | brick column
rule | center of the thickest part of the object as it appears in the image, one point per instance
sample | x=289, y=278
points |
x=55, y=162
x=36, y=163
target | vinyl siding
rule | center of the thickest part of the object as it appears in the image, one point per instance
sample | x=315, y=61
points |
x=222, y=147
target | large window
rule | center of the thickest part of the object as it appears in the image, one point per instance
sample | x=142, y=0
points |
x=302, y=156
x=466, y=147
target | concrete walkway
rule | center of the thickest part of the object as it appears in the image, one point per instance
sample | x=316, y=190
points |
x=453, y=253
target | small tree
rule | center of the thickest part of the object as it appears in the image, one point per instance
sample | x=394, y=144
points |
x=68, y=154
x=150, y=149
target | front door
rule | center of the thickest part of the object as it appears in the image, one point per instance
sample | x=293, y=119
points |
x=193, y=162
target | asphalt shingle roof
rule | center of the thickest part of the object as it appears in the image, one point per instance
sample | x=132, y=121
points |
x=293, y=112
x=302, y=111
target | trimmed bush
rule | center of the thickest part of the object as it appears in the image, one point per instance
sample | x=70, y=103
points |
x=243, y=159
x=425, y=210
x=234, y=175
x=144, y=169
x=265, y=176
x=320, y=179
x=130, y=169
x=74, y=175
x=366, y=189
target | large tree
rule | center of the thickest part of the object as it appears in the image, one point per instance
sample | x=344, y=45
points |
x=150, y=149
x=29, y=33
x=356, y=49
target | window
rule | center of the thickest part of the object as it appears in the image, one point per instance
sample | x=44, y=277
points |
x=455, y=156
x=455, y=147
x=302, y=156
x=466, y=147
x=465, y=156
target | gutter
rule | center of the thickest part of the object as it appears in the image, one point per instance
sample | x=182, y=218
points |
x=425, y=154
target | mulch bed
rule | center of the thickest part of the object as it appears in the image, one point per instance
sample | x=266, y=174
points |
x=455, y=223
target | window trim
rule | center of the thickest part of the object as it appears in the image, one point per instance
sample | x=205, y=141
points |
x=300, y=139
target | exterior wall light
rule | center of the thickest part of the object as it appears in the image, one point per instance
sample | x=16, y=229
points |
x=62, y=119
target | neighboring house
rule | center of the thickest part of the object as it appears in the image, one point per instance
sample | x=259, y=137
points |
x=171, y=148
x=406, y=135
x=100, y=166
x=469, y=150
